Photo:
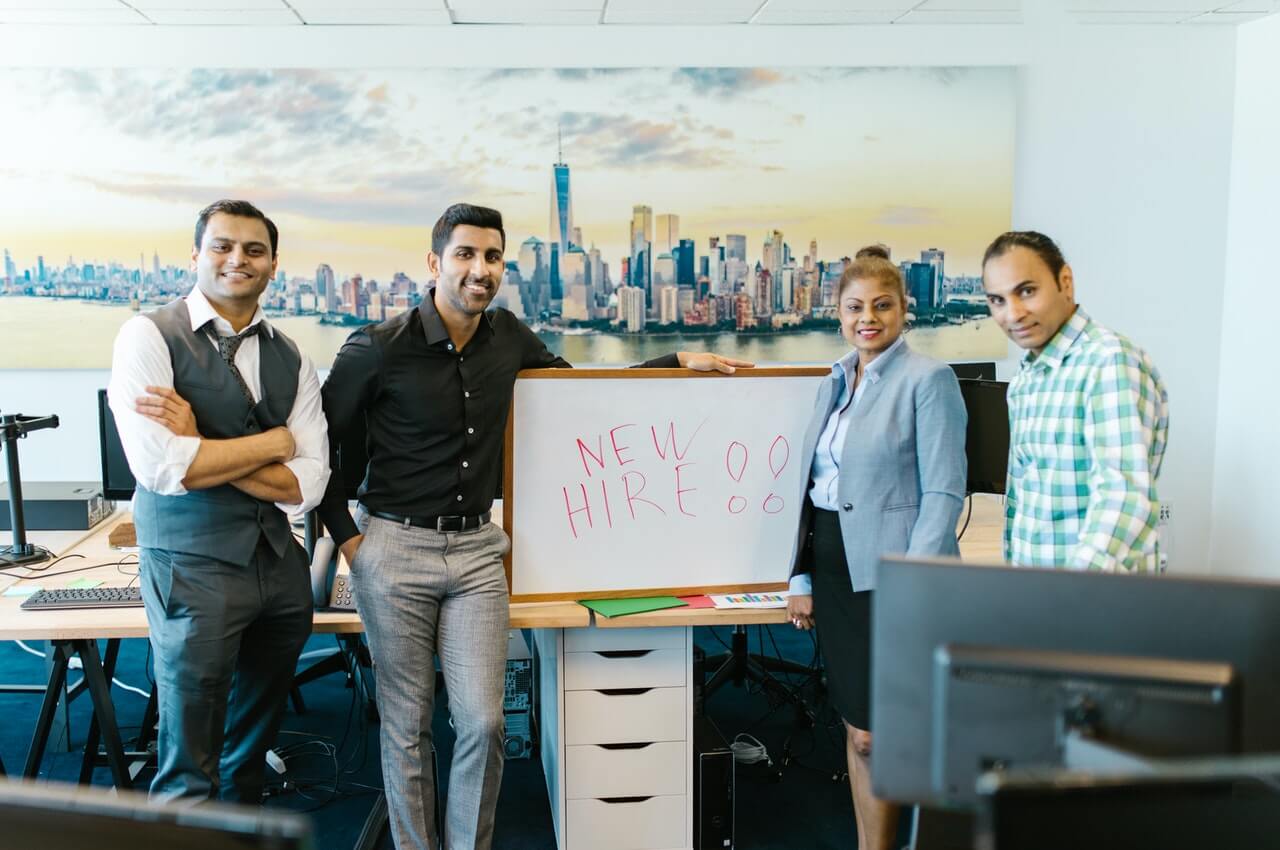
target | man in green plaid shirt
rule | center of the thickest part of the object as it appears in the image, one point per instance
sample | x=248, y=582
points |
x=1088, y=419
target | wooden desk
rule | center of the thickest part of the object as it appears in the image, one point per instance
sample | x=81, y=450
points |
x=982, y=542
x=77, y=631
x=17, y=624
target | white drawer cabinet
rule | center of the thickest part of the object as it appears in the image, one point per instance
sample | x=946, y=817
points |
x=648, y=824
x=616, y=734
x=604, y=717
x=625, y=770
x=624, y=668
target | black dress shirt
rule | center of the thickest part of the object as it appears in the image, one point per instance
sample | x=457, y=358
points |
x=435, y=416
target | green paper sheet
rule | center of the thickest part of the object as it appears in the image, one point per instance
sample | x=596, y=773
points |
x=84, y=582
x=622, y=607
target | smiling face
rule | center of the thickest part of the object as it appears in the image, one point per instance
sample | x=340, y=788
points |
x=1025, y=298
x=233, y=262
x=468, y=271
x=871, y=316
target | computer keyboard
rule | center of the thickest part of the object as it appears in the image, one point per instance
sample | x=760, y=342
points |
x=85, y=597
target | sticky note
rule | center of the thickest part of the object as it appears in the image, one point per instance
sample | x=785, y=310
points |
x=84, y=582
x=21, y=590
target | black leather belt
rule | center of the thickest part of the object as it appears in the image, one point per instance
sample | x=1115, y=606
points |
x=439, y=523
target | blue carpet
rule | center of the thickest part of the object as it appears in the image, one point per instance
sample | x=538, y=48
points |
x=333, y=767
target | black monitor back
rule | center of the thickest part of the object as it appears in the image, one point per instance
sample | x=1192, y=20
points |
x=978, y=370
x=986, y=442
x=1226, y=805
x=117, y=479
x=923, y=605
x=71, y=816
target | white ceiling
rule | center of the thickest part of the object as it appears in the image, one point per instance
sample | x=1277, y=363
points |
x=606, y=12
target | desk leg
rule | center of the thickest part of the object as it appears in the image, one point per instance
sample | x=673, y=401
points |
x=90, y=759
x=56, y=688
x=105, y=712
x=62, y=714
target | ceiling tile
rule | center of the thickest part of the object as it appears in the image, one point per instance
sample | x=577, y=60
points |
x=970, y=6
x=746, y=7
x=1121, y=6
x=824, y=16
x=675, y=17
x=1225, y=18
x=526, y=5
x=148, y=6
x=521, y=15
x=374, y=17
x=225, y=18
x=48, y=5
x=958, y=17
x=1130, y=17
x=355, y=6
x=840, y=5
x=1266, y=6
x=74, y=17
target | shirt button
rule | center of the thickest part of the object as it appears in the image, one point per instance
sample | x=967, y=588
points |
x=471, y=430
x=847, y=506
x=466, y=394
x=465, y=464
x=459, y=497
x=449, y=346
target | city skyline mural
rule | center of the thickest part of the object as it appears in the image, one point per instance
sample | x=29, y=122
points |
x=646, y=210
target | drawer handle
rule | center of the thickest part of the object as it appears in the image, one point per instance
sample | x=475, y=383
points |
x=624, y=746
x=623, y=692
x=623, y=653
x=615, y=800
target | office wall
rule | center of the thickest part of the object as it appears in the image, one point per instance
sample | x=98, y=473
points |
x=1247, y=466
x=1123, y=153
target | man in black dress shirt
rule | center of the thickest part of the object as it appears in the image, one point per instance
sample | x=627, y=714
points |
x=434, y=387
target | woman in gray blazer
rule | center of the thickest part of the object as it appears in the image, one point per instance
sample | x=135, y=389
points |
x=887, y=477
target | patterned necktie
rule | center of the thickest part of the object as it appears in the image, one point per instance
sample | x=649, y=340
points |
x=227, y=347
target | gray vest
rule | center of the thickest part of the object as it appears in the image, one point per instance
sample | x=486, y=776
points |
x=219, y=522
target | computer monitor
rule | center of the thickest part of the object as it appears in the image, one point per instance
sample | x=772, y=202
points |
x=50, y=814
x=986, y=443
x=983, y=667
x=117, y=479
x=978, y=370
x=1227, y=804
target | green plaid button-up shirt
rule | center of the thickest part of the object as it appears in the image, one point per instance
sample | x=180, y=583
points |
x=1089, y=421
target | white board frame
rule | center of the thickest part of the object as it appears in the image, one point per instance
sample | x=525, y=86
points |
x=511, y=487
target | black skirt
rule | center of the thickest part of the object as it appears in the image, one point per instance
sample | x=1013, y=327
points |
x=843, y=618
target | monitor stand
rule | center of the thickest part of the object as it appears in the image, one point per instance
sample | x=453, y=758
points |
x=12, y=427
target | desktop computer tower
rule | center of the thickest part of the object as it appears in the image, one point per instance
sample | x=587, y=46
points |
x=713, y=788
x=517, y=699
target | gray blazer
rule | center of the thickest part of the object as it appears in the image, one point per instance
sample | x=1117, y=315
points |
x=902, y=471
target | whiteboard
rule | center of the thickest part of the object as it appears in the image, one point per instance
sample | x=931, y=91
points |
x=627, y=482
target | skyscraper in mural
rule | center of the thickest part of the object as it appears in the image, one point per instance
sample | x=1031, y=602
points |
x=326, y=292
x=642, y=252
x=561, y=230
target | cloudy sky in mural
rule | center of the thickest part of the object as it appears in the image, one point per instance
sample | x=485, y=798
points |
x=356, y=165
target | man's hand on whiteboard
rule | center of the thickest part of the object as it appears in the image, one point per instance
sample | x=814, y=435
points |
x=705, y=361
x=800, y=611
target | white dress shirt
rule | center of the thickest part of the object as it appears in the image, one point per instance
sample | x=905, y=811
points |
x=825, y=472
x=160, y=458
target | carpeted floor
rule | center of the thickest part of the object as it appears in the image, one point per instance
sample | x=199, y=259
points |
x=331, y=752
